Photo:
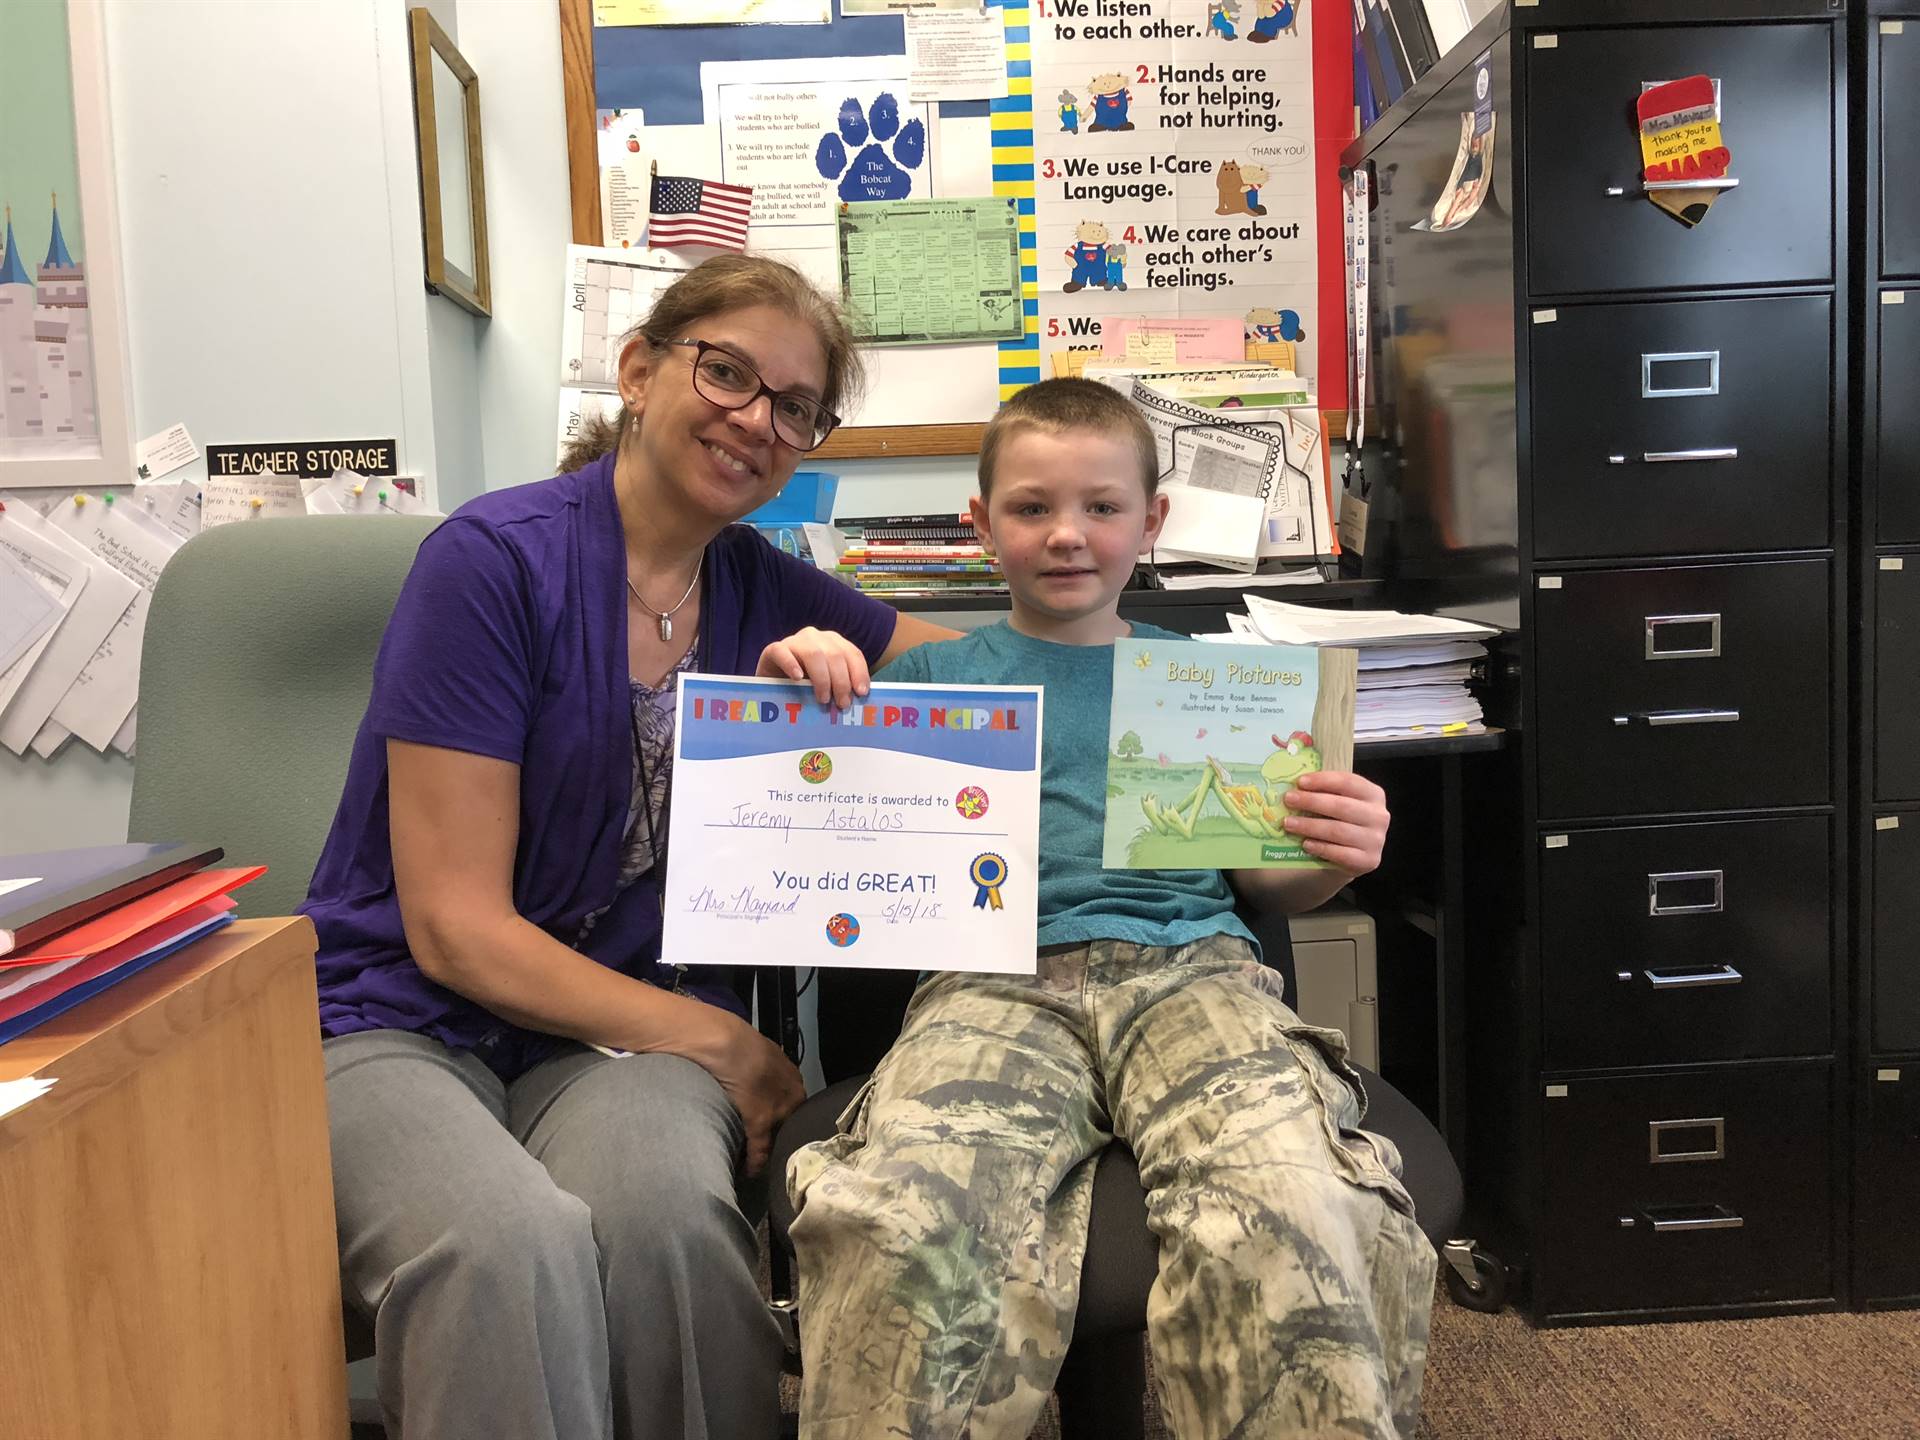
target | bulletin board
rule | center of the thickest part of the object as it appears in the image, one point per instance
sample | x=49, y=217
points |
x=1185, y=150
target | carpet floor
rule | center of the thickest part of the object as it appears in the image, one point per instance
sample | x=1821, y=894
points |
x=1806, y=1377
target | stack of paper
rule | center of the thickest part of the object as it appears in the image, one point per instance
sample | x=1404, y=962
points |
x=57, y=970
x=1414, y=669
x=1241, y=464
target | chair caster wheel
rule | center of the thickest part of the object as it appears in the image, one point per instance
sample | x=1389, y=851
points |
x=1475, y=1279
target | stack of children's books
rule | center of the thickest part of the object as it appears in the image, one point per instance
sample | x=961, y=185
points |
x=1414, y=670
x=74, y=922
x=899, y=557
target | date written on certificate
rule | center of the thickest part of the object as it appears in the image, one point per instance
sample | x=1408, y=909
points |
x=900, y=833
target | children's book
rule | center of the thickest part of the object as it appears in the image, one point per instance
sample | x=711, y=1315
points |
x=1206, y=740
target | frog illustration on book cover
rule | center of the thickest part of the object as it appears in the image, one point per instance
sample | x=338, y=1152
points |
x=1205, y=742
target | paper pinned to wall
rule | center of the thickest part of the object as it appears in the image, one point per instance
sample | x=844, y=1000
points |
x=59, y=574
x=49, y=738
x=626, y=182
x=956, y=54
x=102, y=697
x=711, y=12
x=347, y=492
x=806, y=145
x=93, y=616
x=162, y=454
x=173, y=504
x=913, y=8
x=27, y=610
x=608, y=292
x=931, y=271
x=1173, y=339
x=123, y=737
x=227, y=499
x=578, y=408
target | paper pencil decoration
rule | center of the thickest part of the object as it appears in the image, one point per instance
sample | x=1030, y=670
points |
x=699, y=212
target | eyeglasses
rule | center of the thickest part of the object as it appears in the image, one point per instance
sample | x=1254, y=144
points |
x=722, y=378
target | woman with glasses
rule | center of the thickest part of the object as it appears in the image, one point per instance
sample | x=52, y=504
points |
x=538, y=1129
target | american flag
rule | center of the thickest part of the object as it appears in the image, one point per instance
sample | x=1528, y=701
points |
x=699, y=212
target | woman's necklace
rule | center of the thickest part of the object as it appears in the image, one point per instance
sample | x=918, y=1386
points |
x=664, y=618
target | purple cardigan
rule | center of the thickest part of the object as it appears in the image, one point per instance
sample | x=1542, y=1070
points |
x=509, y=640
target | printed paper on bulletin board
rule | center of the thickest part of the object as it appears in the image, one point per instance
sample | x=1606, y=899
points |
x=1173, y=155
x=711, y=12
x=924, y=272
x=810, y=134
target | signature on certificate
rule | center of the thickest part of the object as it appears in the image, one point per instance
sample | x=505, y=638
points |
x=741, y=904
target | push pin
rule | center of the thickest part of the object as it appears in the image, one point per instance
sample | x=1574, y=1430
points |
x=255, y=502
x=360, y=489
x=383, y=499
x=108, y=497
x=79, y=500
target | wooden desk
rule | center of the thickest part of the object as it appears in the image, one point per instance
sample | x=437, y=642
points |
x=168, y=1261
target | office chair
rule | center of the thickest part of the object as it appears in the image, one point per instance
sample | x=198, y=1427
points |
x=1102, y=1382
x=254, y=675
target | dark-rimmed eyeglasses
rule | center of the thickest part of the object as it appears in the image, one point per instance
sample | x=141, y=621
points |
x=722, y=378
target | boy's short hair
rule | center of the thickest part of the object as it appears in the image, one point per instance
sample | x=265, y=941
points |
x=1056, y=406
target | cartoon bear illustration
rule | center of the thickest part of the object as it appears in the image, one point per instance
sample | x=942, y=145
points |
x=1222, y=16
x=1233, y=195
x=1089, y=256
x=1110, y=101
x=1069, y=112
x=1116, y=267
x=1266, y=323
x=1252, y=177
x=1273, y=16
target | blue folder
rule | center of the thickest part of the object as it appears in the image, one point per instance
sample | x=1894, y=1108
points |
x=67, y=999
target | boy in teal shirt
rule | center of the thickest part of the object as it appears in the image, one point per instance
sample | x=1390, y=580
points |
x=940, y=1234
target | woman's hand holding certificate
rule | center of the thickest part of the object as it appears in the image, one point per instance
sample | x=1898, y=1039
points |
x=901, y=832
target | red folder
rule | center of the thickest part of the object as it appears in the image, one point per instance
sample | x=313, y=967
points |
x=106, y=931
x=113, y=958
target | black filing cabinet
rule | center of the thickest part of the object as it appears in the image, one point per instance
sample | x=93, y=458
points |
x=1658, y=1037
x=1886, y=1063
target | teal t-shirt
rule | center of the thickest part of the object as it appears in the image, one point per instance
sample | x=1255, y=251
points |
x=1079, y=901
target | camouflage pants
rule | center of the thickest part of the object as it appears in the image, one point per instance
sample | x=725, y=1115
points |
x=941, y=1232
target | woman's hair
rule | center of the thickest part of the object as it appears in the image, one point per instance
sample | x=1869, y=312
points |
x=714, y=286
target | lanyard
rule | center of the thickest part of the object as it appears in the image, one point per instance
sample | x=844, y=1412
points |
x=1357, y=308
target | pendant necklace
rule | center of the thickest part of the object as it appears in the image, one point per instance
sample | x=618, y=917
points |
x=664, y=618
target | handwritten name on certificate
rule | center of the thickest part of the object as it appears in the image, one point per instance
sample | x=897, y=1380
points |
x=902, y=833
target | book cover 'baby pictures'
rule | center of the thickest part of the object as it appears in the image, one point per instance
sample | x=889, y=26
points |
x=1205, y=742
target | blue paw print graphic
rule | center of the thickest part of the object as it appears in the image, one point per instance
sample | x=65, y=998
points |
x=877, y=171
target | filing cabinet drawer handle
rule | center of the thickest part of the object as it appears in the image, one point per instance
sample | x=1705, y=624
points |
x=1679, y=717
x=1685, y=1219
x=1710, y=1130
x=1725, y=182
x=1712, y=452
x=1693, y=979
x=1674, y=880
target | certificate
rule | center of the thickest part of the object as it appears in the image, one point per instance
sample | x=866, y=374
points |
x=899, y=834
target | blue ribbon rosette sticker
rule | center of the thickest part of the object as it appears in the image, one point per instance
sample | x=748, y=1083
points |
x=989, y=873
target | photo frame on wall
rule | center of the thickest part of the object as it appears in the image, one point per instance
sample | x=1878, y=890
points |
x=65, y=399
x=453, y=192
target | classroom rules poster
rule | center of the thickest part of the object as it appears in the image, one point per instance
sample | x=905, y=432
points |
x=1173, y=166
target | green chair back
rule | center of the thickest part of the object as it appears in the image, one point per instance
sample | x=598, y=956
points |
x=255, y=674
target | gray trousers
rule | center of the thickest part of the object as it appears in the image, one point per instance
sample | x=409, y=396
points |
x=559, y=1258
